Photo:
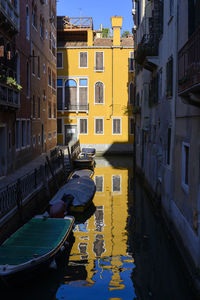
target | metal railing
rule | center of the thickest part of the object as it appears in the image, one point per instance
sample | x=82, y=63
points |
x=189, y=62
x=74, y=23
x=14, y=194
x=9, y=97
x=9, y=11
x=77, y=107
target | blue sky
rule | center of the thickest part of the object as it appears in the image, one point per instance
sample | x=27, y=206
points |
x=101, y=11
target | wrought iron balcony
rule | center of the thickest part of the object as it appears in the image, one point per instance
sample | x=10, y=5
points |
x=77, y=107
x=9, y=97
x=66, y=23
x=147, y=47
x=9, y=13
x=189, y=69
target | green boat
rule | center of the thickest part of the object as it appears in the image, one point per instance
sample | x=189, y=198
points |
x=34, y=244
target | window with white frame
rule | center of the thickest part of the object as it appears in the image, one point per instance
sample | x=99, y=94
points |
x=185, y=165
x=131, y=61
x=83, y=93
x=76, y=94
x=99, y=92
x=59, y=60
x=49, y=76
x=116, y=183
x=99, y=61
x=49, y=110
x=99, y=183
x=83, y=126
x=83, y=59
x=116, y=126
x=99, y=126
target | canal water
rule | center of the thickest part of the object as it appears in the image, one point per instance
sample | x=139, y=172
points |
x=120, y=250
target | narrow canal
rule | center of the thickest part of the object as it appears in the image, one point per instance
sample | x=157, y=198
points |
x=121, y=252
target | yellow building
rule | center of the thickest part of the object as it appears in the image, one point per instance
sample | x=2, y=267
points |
x=95, y=86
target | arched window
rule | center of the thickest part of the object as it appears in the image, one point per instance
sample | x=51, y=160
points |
x=70, y=94
x=99, y=92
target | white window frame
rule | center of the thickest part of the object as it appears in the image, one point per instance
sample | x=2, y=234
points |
x=80, y=59
x=95, y=62
x=129, y=66
x=97, y=118
x=184, y=185
x=117, y=118
x=117, y=192
x=59, y=52
x=79, y=126
x=103, y=103
x=102, y=182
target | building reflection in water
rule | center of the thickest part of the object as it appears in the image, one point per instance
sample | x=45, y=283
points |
x=101, y=242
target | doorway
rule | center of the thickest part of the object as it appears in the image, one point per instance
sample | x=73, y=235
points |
x=70, y=134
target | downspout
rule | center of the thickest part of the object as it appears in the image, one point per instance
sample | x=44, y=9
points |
x=112, y=84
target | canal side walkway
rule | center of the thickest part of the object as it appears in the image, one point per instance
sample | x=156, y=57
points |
x=29, y=167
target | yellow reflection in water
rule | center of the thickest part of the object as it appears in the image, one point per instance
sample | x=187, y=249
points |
x=103, y=236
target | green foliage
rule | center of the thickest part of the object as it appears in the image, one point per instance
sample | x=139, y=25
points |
x=10, y=81
x=126, y=33
x=105, y=32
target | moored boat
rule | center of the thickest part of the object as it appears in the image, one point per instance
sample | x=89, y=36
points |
x=32, y=246
x=83, y=162
x=77, y=194
x=91, y=152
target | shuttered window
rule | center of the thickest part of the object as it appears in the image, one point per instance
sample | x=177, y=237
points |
x=99, y=92
x=117, y=126
x=99, y=183
x=70, y=95
x=131, y=61
x=83, y=126
x=59, y=60
x=99, y=126
x=83, y=59
x=99, y=61
x=116, y=183
x=83, y=93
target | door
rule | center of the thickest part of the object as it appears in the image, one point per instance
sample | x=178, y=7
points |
x=70, y=134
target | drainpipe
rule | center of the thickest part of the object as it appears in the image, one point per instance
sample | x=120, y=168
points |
x=112, y=84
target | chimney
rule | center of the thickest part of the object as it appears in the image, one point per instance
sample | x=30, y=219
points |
x=116, y=26
x=90, y=37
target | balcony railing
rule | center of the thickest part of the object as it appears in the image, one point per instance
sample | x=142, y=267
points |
x=65, y=23
x=9, y=97
x=78, y=107
x=147, y=47
x=189, y=64
x=9, y=12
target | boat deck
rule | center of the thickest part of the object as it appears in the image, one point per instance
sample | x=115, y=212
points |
x=36, y=238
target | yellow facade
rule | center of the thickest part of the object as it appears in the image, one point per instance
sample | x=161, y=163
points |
x=117, y=103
